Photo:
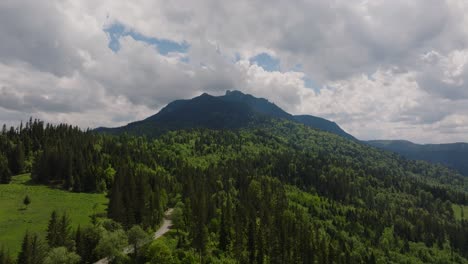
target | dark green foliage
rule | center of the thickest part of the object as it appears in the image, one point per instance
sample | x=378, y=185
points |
x=136, y=238
x=138, y=195
x=5, y=173
x=53, y=230
x=59, y=231
x=452, y=155
x=17, y=159
x=86, y=240
x=232, y=111
x=5, y=257
x=33, y=250
x=275, y=192
x=358, y=190
x=26, y=200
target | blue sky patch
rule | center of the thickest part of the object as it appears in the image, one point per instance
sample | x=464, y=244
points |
x=267, y=62
x=309, y=83
x=164, y=46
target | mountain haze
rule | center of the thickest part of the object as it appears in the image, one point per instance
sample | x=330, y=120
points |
x=454, y=155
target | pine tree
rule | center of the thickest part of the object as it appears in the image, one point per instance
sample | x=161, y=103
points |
x=251, y=242
x=25, y=255
x=59, y=231
x=37, y=249
x=26, y=200
x=17, y=159
x=79, y=241
x=32, y=250
x=5, y=257
x=86, y=241
x=52, y=230
x=372, y=259
x=223, y=233
x=5, y=173
x=69, y=179
x=64, y=231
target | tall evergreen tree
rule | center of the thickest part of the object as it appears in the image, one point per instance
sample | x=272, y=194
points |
x=17, y=159
x=5, y=173
x=32, y=250
x=53, y=232
x=5, y=257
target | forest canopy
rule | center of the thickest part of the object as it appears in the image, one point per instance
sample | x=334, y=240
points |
x=276, y=192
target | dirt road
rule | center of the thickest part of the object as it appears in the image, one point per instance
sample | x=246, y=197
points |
x=163, y=229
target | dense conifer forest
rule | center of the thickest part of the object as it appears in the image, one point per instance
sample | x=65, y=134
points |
x=274, y=192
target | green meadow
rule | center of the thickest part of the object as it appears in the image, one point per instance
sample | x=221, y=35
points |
x=16, y=218
x=460, y=211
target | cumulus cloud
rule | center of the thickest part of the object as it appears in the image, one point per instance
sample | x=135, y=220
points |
x=381, y=69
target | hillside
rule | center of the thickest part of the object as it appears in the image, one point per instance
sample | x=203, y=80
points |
x=452, y=155
x=231, y=111
x=272, y=191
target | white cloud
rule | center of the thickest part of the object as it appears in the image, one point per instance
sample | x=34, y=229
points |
x=385, y=69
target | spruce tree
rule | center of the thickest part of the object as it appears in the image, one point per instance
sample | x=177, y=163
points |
x=17, y=159
x=25, y=254
x=79, y=241
x=37, y=249
x=52, y=230
x=5, y=257
x=5, y=173
x=26, y=201
x=32, y=250
x=65, y=232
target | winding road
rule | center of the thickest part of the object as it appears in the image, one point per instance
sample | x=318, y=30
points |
x=163, y=229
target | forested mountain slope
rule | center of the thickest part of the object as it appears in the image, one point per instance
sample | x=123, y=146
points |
x=454, y=155
x=232, y=110
x=273, y=192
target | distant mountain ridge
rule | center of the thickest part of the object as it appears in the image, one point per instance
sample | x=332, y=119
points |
x=236, y=110
x=263, y=106
x=232, y=110
x=454, y=155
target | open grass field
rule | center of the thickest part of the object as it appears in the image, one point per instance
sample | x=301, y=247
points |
x=458, y=209
x=15, y=218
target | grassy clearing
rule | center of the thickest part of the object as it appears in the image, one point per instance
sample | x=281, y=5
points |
x=15, y=218
x=458, y=209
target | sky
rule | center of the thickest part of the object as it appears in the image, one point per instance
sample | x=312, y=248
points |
x=381, y=69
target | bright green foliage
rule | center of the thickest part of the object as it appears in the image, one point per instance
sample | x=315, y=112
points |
x=345, y=195
x=136, y=238
x=159, y=252
x=112, y=244
x=271, y=192
x=460, y=212
x=61, y=255
x=15, y=221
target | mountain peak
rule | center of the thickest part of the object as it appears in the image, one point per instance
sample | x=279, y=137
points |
x=205, y=95
x=234, y=92
x=233, y=110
